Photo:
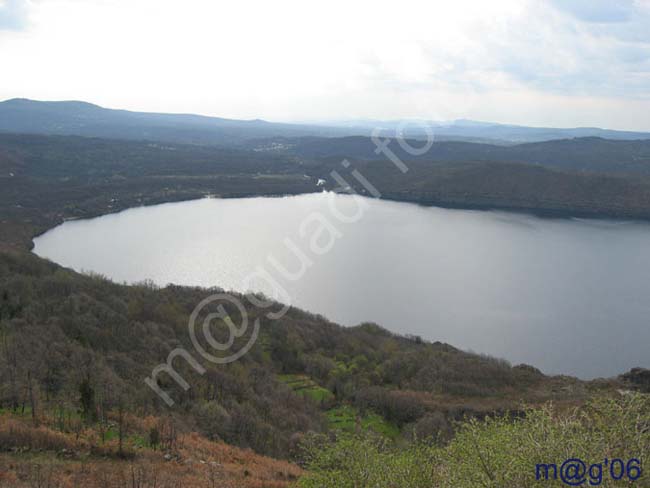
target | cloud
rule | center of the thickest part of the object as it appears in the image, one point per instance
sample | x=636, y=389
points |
x=598, y=11
x=13, y=14
x=539, y=47
x=519, y=61
x=552, y=52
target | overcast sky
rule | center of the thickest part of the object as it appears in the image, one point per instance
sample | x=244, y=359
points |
x=546, y=63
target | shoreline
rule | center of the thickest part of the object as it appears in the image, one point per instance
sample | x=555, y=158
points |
x=538, y=212
x=546, y=215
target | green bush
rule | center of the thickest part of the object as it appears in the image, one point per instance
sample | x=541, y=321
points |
x=355, y=462
x=496, y=452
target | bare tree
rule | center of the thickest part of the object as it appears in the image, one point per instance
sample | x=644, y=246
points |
x=32, y=400
x=121, y=431
x=11, y=358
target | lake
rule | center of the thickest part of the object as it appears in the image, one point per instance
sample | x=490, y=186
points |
x=567, y=296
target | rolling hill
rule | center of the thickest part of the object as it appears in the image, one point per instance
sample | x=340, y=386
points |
x=591, y=154
x=86, y=119
x=474, y=131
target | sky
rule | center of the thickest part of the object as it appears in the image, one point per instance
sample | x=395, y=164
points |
x=559, y=63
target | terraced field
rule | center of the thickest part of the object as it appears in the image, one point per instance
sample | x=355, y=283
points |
x=342, y=417
x=304, y=385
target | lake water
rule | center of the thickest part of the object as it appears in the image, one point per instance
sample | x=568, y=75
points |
x=567, y=296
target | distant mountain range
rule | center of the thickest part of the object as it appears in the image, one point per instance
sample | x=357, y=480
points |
x=85, y=119
x=490, y=132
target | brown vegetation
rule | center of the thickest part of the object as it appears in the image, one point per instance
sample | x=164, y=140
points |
x=46, y=458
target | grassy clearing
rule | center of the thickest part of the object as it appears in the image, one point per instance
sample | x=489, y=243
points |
x=304, y=385
x=20, y=411
x=345, y=418
x=348, y=419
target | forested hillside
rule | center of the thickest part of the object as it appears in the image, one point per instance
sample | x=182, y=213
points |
x=75, y=349
x=584, y=154
x=46, y=179
x=63, y=332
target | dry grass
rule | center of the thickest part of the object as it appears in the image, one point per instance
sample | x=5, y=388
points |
x=17, y=435
x=41, y=457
